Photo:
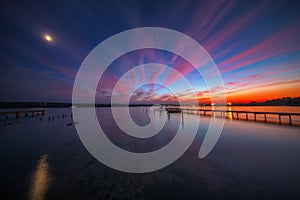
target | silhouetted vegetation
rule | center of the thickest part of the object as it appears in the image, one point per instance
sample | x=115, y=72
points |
x=284, y=101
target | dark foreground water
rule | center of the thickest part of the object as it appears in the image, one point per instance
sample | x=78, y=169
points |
x=43, y=158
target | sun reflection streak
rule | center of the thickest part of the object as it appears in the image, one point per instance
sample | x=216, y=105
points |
x=230, y=113
x=213, y=114
x=40, y=180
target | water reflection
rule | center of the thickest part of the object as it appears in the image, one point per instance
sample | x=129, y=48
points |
x=230, y=113
x=213, y=108
x=40, y=180
x=182, y=120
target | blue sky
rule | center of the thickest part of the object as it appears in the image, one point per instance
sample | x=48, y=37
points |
x=255, y=44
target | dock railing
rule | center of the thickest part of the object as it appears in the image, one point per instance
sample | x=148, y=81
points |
x=235, y=113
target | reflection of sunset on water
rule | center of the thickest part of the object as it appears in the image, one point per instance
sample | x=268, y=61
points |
x=40, y=180
x=230, y=113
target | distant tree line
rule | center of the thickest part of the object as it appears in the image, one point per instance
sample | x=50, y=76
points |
x=284, y=101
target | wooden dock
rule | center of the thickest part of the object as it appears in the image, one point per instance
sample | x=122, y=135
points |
x=24, y=113
x=174, y=110
x=236, y=114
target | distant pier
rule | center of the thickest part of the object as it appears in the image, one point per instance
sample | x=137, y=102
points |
x=235, y=114
x=23, y=113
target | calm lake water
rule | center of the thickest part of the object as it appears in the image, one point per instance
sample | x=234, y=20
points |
x=43, y=158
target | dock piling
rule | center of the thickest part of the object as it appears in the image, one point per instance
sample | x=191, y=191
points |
x=233, y=113
x=265, y=118
x=279, y=116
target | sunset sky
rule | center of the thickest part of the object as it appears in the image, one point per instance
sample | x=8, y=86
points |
x=255, y=45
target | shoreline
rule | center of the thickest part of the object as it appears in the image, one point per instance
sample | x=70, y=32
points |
x=228, y=115
x=132, y=105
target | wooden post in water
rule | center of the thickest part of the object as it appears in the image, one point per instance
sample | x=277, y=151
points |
x=247, y=116
x=255, y=117
x=279, y=117
x=237, y=115
x=265, y=118
x=290, y=117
